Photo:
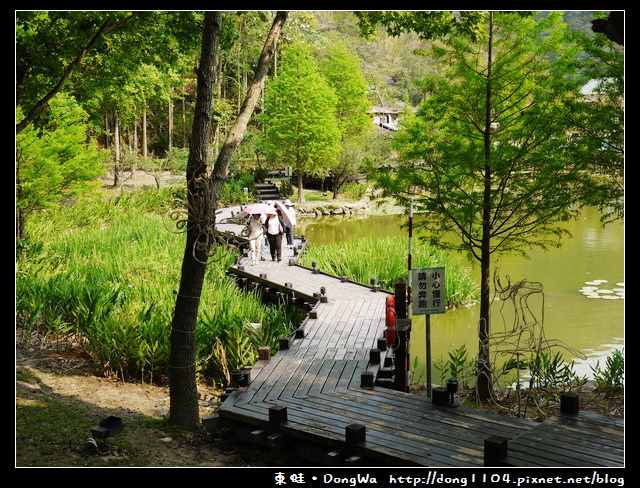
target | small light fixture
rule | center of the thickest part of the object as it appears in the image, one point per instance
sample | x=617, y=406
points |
x=237, y=376
x=372, y=280
x=452, y=388
x=323, y=290
x=313, y=264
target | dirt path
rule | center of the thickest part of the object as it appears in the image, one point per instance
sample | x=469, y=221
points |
x=76, y=401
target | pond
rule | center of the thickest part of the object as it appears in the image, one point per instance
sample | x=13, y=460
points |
x=580, y=309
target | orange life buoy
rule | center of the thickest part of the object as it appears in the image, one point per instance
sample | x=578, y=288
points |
x=390, y=320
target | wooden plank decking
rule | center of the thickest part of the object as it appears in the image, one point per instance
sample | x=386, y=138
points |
x=310, y=398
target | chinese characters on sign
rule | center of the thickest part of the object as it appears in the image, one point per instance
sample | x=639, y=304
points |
x=427, y=291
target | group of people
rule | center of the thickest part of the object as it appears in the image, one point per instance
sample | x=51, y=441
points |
x=273, y=226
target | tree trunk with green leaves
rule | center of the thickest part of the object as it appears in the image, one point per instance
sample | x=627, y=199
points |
x=204, y=186
x=487, y=157
x=301, y=128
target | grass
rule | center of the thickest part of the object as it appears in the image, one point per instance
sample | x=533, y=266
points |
x=52, y=429
x=103, y=274
x=360, y=259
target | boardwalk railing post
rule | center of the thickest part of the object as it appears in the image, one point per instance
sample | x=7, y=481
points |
x=374, y=356
x=277, y=415
x=366, y=379
x=354, y=435
x=264, y=353
x=569, y=403
x=403, y=329
x=495, y=450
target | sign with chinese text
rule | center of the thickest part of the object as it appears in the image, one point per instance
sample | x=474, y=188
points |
x=427, y=291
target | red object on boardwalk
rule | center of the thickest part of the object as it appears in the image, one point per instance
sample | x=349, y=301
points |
x=390, y=321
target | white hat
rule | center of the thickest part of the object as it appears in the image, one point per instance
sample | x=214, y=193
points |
x=287, y=203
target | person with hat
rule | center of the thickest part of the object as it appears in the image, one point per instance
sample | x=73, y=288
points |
x=256, y=237
x=291, y=212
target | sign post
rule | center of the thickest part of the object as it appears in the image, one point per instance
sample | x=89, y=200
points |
x=428, y=296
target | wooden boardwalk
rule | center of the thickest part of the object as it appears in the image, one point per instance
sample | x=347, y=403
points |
x=314, y=396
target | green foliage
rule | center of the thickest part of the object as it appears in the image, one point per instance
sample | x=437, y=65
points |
x=453, y=166
x=353, y=190
x=56, y=162
x=233, y=189
x=428, y=24
x=286, y=188
x=107, y=284
x=300, y=126
x=342, y=71
x=549, y=370
x=611, y=379
x=458, y=366
x=176, y=160
x=598, y=137
x=360, y=259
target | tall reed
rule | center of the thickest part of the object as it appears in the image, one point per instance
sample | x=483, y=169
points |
x=103, y=274
x=362, y=259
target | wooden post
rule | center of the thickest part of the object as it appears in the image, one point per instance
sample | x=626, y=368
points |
x=403, y=327
x=401, y=298
x=264, y=353
x=366, y=379
x=495, y=450
x=354, y=435
x=569, y=403
x=374, y=356
x=277, y=414
x=440, y=395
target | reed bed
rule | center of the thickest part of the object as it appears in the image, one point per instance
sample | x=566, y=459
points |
x=102, y=275
x=361, y=259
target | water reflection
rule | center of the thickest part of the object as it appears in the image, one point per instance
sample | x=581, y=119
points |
x=594, y=327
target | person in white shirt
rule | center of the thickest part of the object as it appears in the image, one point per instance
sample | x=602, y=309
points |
x=292, y=217
x=275, y=230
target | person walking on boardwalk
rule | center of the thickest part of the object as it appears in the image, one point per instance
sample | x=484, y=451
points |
x=275, y=229
x=292, y=217
x=256, y=236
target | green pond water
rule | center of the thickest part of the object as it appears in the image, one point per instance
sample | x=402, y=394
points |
x=580, y=311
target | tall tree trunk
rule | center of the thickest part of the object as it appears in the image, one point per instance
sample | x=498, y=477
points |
x=170, y=123
x=134, y=147
x=204, y=190
x=20, y=214
x=483, y=382
x=182, y=358
x=184, y=123
x=144, y=132
x=300, y=192
x=117, y=150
